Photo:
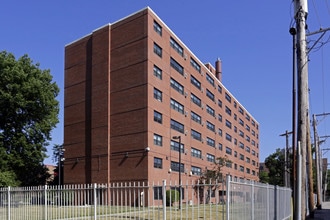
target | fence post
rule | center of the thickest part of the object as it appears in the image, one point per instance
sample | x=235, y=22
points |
x=164, y=199
x=95, y=202
x=8, y=201
x=252, y=200
x=268, y=200
x=45, y=199
x=275, y=202
x=228, y=197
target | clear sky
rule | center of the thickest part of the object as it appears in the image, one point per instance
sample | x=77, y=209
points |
x=250, y=37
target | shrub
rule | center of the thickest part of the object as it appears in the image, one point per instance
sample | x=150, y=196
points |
x=171, y=197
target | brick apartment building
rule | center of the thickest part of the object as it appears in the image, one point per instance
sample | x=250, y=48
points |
x=133, y=85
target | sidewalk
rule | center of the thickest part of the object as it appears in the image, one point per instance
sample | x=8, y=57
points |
x=324, y=213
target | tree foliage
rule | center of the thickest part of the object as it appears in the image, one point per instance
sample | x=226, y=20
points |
x=211, y=176
x=275, y=164
x=28, y=113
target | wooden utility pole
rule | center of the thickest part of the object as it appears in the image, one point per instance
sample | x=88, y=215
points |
x=301, y=12
x=316, y=145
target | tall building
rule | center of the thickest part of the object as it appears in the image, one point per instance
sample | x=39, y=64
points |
x=133, y=93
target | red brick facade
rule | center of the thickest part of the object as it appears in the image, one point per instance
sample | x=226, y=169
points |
x=109, y=119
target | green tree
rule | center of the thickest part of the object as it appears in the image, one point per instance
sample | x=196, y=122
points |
x=209, y=177
x=264, y=177
x=275, y=164
x=28, y=113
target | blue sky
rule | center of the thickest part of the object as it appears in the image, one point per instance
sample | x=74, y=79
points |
x=250, y=37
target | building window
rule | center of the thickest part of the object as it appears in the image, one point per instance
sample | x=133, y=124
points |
x=253, y=153
x=235, y=153
x=253, y=172
x=158, y=117
x=220, y=117
x=196, y=153
x=247, y=117
x=241, y=133
x=210, y=158
x=158, y=50
x=247, y=149
x=210, y=95
x=176, y=46
x=220, y=146
x=195, y=117
x=196, y=135
x=175, y=65
x=253, y=123
x=241, y=110
x=228, y=124
x=253, y=162
x=220, y=132
x=210, y=110
x=228, y=150
x=241, y=157
x=247, y=159
x=235, y=129
x=175, y=166
x=196, y=100
x=210, y=126
x=241, y=122
x=220, y=89
x=235, y=104
x=177, y=106
x=158, y=140
x=158, y=163
x=229, y=164
x=210, y=142
x=241, y=145
x=158, y=72
x=247, y=127
x=235, y=117
x=195, y=65
x=196, y=171
x=177, y=86
x=210, y=79
x=227, y=96
x=247, y=138
x=195, y=82
x=158, y=193
x=228, y=137
x=219, y=103
x=177, y=126
x=253, y=143
x=158, y=28
x=241, y=168
x=228, y=111
x=175, y=146
x=158, y=94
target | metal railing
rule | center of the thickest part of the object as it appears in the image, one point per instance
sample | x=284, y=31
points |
x=253, y=200
x=206, y=200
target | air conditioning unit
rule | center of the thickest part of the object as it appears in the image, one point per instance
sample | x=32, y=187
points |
x=185, y=94
x=185, y=75
x=186, y=132
x=185, y=56
x=186, y=113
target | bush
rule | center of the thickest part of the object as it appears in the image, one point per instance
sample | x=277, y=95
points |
x=171, y=197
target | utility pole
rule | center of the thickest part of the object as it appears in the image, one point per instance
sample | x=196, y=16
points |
x=301, y=11
x=286, y=158
x=318, y=159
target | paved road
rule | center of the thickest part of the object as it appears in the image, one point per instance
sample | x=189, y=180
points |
x=324, y=213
